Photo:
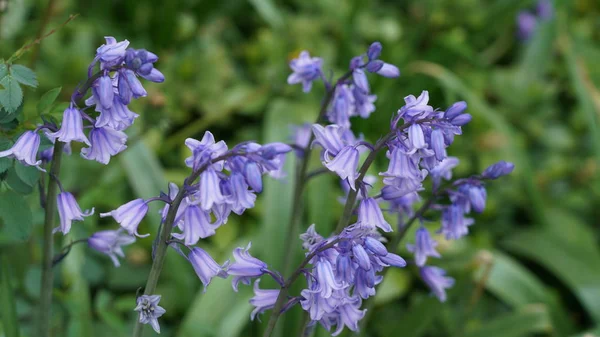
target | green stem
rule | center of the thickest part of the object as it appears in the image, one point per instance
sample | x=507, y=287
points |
x=7, y=299
x=165, y=235
x=45, y=305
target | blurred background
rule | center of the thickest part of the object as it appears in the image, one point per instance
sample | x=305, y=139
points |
x=532, y=264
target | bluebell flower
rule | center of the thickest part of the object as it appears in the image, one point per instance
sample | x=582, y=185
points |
x=498, y=170
x=264, y=299
x=209, y=191
x=326, y=279
x=474, y=195
x=544, y=9
x=112, y=53
x=374, y=51
x=245, y=267
x=240, y=197
x=301, y=135
x=454, y=223
x=46, y=154
x=253, y=176
x=438, y=145
x=69, y=210
x=416, y=106
x=118, y=117
x=330, y=138
x=103, y=91
x=526, y=24
x=443, y=170
x=388, y=70
x=105, y=142
x=71, y=128
x=130, y=86
x=344, y=268
x=310, y=237
x=360, y=80
x=345, y=164
x=316, y=305
x=363, y=102
x=205, y=150
x=461, y=120
x=370, y=215
x=347, y=315
x=361, y=257
x=141, y=62
x=129, y=215
x=375, y=246
x=424, y=246
x=195, y=225
x=393, y=260
x=437, y=281
x=342, y=106
x=25, y=149
x=455, y=110
x=205, y=266
x=305, y=69
x=109, y=242
x=150, y=311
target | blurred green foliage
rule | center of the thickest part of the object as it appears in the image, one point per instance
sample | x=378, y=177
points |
x=532, y=264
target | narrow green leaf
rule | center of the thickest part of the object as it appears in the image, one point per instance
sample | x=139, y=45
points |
x=12, y=95
x=569, y=258
x=268, y=11
x=16, y=215
x=47, y=100
x=531, y=319
x=23, y=75
x=415, y=322
x=7, y=299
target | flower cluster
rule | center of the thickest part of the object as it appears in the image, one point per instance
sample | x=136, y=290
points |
x=112, y=89
x=345, y=268
x=528, y=21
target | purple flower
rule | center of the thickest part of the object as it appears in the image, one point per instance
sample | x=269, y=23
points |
x=361, y=257
x=118, y=117
x=393, y=260
x=209, y=192
x=326, y=279
x=310, y=237
x=141, y=62
x=475, y=196
x=205, y=266
x=105, y=142
x=443, y=170
x=245, y=267
x=526, y=24
x=25, y=149
x=103, y=91
x=416, y=106
x=129, y=86
x=438, y=145
x=240, y=198
x=498, y=170
x=195, y=225
x=370, y=215
x=455, y=110
x=363, y=102
x=345, y=164
x=150, y=311
x=69, y=210
x=71, y=128
x=301, y=135
x=454, y=223
x=388, y=70
x=330, y=138
x=253, y=176
x=204, y=151
x=375, y=246
x=437, y=281
x=544, y=9
x=112, y=53
x=109, y=242
x=129, y=215
x=348, y=315
x=264, y=299
x=305, y=69
x=424, y=246
x=342, y=106
x=374, y=51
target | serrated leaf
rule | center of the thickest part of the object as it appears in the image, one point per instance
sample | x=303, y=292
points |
x=28, y=174
x=12, y=95
x=16, y=216
x=3, y=70
x=18, y=185
x=23, y=75
x=47, y=100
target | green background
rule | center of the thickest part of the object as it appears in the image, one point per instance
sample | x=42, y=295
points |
x=531, y=266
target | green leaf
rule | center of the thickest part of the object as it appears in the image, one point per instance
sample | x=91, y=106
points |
x=16, y=215
x=12, y=95
x=5, y=163
x=13, y=180
x=28, y=174
x=3, y=70
x=531, y=319
x=23, y=75
x=571, y=259
x=47, y=100
x=7, y=299
x=415, y=322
